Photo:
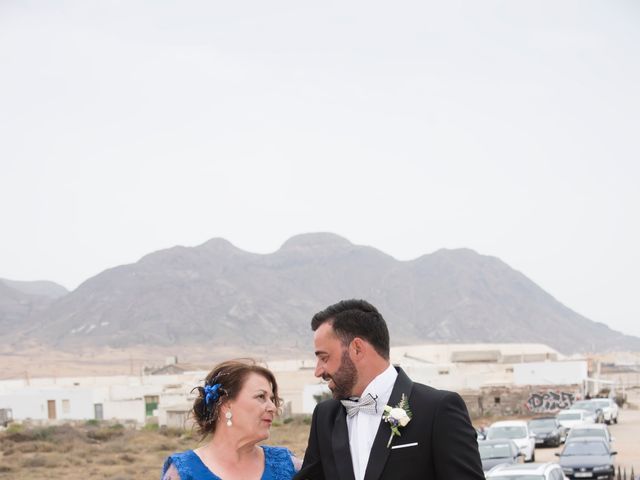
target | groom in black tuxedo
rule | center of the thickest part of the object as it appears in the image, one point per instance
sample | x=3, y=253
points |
x=349, y=438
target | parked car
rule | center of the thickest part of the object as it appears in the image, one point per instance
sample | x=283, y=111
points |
x=531, y=471
x=591, y=407
x=593, y=430
x=570, y=418
x=518, y=431
x=609, y=409
x=587, y=457
x=496, y=452
x=548, y=431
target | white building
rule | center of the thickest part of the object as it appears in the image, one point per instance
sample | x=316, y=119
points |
x=122, y=397
x=138, y=397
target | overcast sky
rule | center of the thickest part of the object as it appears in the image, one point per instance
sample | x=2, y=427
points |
x=511, y=128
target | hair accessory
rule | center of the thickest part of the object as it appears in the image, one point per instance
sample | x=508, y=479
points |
x=211, y=394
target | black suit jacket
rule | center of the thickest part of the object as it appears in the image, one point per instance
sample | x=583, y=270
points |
x=447, y=448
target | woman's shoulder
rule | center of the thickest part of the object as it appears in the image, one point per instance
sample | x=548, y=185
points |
x=182, y=462
x=276, y=451
x=279, y=462
x=179, y=458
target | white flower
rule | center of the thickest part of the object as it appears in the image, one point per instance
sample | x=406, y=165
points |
x=400, y=415
x=397, y=417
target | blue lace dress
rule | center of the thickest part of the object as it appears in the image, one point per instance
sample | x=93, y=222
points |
x=278, y=465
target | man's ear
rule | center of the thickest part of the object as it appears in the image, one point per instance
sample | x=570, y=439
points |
x=358, y=347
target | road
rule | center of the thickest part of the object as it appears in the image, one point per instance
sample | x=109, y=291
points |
x=627, y=442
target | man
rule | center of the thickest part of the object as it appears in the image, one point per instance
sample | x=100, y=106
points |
x=350, y=438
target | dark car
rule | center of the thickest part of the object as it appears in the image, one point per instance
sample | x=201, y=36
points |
x=587, y=457
x=548, y=431
x=496, y=452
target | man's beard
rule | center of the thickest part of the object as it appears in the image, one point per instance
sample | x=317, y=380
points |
x=345, y=378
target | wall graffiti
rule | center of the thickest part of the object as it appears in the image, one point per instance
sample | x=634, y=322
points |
x=549, y=401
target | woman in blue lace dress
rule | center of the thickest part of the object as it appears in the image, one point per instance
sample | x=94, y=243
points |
x=234, y=411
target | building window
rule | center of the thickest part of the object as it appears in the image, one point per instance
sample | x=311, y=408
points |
x=66, y=406
x=151, y=403
x=443, y=372
x=496, y=400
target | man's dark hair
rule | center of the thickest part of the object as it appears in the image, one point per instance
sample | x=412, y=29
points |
x=356, y=318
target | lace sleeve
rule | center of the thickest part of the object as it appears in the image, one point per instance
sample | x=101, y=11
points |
x=171, y=473
x=297, y=463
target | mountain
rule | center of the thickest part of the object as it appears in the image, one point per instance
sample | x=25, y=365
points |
x=216, y=294
x=42, y=288
x=21, y=301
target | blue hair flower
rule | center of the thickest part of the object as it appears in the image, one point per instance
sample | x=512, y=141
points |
x=211, y=394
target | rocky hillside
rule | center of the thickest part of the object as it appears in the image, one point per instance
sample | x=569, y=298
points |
x=216, y=294
x=20, y=302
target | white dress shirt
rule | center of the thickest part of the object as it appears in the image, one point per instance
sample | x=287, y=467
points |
x=362, y=427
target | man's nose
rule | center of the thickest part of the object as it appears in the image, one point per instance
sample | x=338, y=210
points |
x=319, y=370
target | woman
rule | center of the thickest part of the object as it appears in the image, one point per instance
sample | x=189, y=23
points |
x=234, y=410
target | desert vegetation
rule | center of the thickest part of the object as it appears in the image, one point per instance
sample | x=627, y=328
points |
x=100, y=450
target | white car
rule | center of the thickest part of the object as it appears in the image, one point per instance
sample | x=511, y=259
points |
x=571, y=418
x=518, y=431
x=594, y=410
x=531, y=471
x=609, y=409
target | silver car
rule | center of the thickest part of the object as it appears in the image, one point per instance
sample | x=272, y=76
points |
x=530, y=471
x=598, y=430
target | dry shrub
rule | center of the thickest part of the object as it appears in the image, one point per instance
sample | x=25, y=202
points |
x=104, y=434
x=118, y=445
x=57, y=434
x=174, y=432
x=44, y=447
x=37, y=461
x=127, y=458
x=165, y=447
x=119, y=454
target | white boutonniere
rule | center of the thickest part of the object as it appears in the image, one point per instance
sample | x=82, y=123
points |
x=397, y=417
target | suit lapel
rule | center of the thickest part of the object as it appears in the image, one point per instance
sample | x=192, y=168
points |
x=340, y=445
x=379, y=451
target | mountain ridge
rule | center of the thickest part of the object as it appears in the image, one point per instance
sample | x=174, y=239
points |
x=217, y=294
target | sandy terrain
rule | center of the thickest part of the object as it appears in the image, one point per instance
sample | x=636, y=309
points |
x=38, y=361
